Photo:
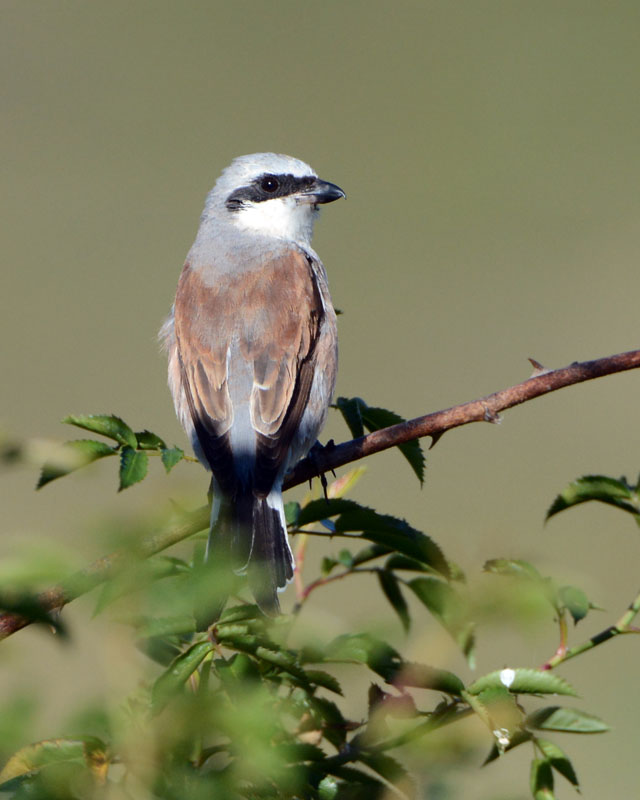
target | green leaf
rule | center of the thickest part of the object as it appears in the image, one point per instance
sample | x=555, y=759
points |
x=350, y=410
x=151, y=627
x=448, y=607
x=180, y=670
x=519, y=737
x=541, y=779
x=376, y=654
x=390, y=769
x=133, y=467
x=391, y=589
x=324, y=679
x=170, y=456
x=397, y=561
x=383, y=529
x=72, y=456
x=369, y=553
x=513, y=568
x=575, y=601
x=327, y=565
x=424, y=677
x=291, y=513
x=357, y=414
x=568, y=720
x=328, y=788
x=149, y=441
x=318, y=510
x=558, y=760
x=107, y=425
x=597, y=487
x=48, y=752
x=524, y=681
x=136, y=576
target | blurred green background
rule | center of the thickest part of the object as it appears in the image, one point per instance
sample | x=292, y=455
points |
x=489, y=151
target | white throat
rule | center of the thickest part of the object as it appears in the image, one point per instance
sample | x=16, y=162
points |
x=281, y=217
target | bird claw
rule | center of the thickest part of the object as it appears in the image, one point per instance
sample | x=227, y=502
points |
x=317, y=457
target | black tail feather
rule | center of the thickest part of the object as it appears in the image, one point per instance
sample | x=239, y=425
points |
x=248, y=535
x=271, y=563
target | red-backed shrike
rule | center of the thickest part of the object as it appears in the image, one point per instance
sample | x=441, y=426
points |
x=253, y=351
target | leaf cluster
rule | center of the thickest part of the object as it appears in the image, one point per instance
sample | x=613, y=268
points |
x=242, y=710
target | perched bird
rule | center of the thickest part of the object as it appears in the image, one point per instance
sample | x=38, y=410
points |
x=252, y=347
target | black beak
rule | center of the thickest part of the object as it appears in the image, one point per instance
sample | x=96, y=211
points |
x=324, y=192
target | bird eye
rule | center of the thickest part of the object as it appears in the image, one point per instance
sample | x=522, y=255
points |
x=269, y=184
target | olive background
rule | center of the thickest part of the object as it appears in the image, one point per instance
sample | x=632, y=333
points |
x=489, y=152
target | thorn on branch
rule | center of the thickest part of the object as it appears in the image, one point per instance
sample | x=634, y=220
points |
x=538, y=369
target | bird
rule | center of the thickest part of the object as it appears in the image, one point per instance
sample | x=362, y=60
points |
x=252, y=351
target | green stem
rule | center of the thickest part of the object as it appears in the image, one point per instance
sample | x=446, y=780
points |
x=623, y=625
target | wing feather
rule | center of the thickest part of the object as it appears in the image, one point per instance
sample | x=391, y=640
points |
x=264, y=322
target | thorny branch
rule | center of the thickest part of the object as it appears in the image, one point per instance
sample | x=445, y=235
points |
x=485, y=409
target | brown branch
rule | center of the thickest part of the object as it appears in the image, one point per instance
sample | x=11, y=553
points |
x=103, y=569
x=486, y=409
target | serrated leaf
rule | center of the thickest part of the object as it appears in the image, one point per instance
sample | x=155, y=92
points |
x=541, y=779
x=324, y=679
x=350, y=410
x=151, y=627
x=391, y=532
x=423, y=677
x=170, y=456
x=105, y=424
x=133, y=467
x=558, y=760
x=147, y=440
x=180, y=670
x=524, y=681
x=597, y=487
x=376, y=654
x=449, y=608
x=391, y=589
x=375, y=419
x=317, y=510
x=390, y=769
x=575, y=601
x=45, y=753
x=369, y=553
x=498, y=709
x=358, y=415
x=512, y=567
x=568, y=720
x=397, y=561
x=72, y=456
x=519, y=737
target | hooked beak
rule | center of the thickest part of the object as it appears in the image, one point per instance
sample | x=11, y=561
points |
x=322, y=192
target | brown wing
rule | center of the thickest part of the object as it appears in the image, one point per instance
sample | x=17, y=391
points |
x=249, y=340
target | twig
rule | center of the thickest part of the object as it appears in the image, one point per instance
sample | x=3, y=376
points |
x=486, y=409
x=623, y=625
x=105, y=568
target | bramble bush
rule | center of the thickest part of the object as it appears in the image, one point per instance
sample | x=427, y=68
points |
x=255, y=707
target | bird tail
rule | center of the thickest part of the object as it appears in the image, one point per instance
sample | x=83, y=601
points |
x=248, y=535
x=270, y=565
